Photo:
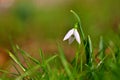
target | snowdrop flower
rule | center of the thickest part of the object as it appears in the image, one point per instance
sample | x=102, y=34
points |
x=72, y=35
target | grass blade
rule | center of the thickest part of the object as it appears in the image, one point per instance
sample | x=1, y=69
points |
x=65, y=63
x=15, y=59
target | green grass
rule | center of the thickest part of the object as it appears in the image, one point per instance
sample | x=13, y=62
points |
x=87, y=64
x=56, y=67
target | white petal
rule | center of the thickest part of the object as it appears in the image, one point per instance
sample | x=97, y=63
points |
x=77, y=36
x=71, y=39
x=69, y=34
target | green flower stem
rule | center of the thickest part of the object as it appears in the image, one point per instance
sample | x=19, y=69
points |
x=79, y=23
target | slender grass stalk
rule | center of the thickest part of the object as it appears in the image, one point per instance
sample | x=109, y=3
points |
x=17, y=69
x=28, y=55
x=51, y=58
x=65, y=63
x=89, y=51
x=7, y=72
x=102, y=47
x=41, y=55
x=113, y=54
x=81, y=63
x=15, y=59
x=101, y=62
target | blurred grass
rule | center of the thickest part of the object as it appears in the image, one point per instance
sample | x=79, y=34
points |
x=57, y=67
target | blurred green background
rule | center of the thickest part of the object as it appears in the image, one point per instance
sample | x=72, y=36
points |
x=35, y=24
x=49, y=20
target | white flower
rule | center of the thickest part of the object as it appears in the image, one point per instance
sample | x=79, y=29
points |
x=72, y=35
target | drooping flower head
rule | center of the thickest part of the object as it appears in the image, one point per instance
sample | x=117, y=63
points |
x=72, y=35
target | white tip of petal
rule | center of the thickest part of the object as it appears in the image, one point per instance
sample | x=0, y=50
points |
x=71, y=39
x=77, y=36
x=69, y=34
